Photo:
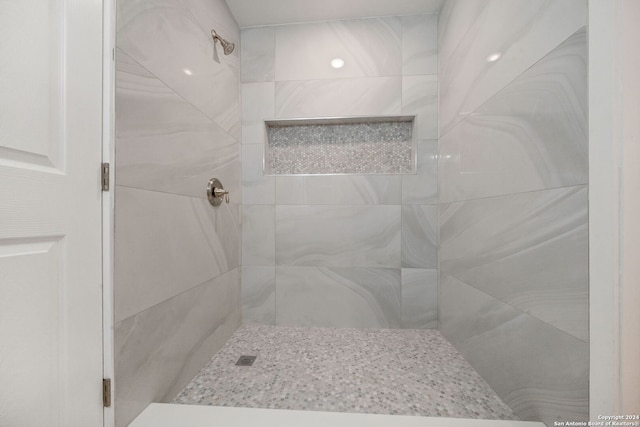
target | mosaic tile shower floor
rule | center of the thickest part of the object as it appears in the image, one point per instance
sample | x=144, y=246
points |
x=377, y=371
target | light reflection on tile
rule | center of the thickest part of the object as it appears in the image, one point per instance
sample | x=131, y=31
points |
x=166, y=39
x=421, y=188
x=481, y=28
x=163, y=142
x=369, y=47
x=530, y=136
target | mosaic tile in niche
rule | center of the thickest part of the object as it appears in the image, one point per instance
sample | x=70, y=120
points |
x=367, y=147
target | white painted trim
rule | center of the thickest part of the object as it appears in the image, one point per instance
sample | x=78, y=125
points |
x=629, y=302
x=108, y=205
x=614, y=204
x=603, y=208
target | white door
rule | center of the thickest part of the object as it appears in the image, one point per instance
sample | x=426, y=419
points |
x=50, y=204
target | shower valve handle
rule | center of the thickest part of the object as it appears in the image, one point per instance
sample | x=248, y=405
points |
x=219, y=192
x=216, y=192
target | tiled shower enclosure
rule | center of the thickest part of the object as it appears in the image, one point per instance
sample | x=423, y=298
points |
x=486, y=240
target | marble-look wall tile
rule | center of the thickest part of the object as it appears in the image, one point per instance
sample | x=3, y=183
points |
x=256, y=187
x=338, y=297
x=166, y=39
x=532, y=135
x=338, y=236
x=159, y=350
x=258, y=54
x=158, y=229
x=419, y=298
x=369, y=48
x=421, y=188
x=228, y=228
x=258, y=235
x=420, y=98
x=163, y=142
x=178, y=124
x=351, y=221
x=339, y=190
x=529, y=250
x=257, y=105
x=259, y=295
x=541, y=372
x=521, y=31
x=217, y=15
x=420, y=44
x=372, y=96
x=420, y=236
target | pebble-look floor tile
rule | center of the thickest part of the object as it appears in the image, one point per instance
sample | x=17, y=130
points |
x=378, y=371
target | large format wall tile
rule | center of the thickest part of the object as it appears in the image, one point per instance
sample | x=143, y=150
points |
x=420, y=236
x=351, y=221
x=176, y=257
x=166, y=38
x=419, y=298
x=338, y=236
x=257, y=105
x=164, y=143
x=258, y=54
x=369, y=48
x=339, y=190
x=338, y=297
x=420, y=44
x=159, y=350
x=256, y=187
x=529, y=250
x=217, y=15
x=258, y=235
x=339, y=97
x=530, y=136
x=541, y=372
x=166, y=244
x=420, y=98
x=521, y=31
x=421, y=188
x=259, y=295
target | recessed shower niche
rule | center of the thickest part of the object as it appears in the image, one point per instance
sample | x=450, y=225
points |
x=356, y=145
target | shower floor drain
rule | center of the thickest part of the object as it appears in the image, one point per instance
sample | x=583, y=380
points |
x=245, y=360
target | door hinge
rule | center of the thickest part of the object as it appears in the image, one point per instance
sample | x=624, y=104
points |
x=105, y=176
x=106, y=392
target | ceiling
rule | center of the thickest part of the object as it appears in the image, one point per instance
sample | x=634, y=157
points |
x=255, y=13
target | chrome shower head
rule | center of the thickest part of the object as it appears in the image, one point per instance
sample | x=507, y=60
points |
x=227, y=47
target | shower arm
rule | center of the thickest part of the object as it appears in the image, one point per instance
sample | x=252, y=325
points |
x=227, y=47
